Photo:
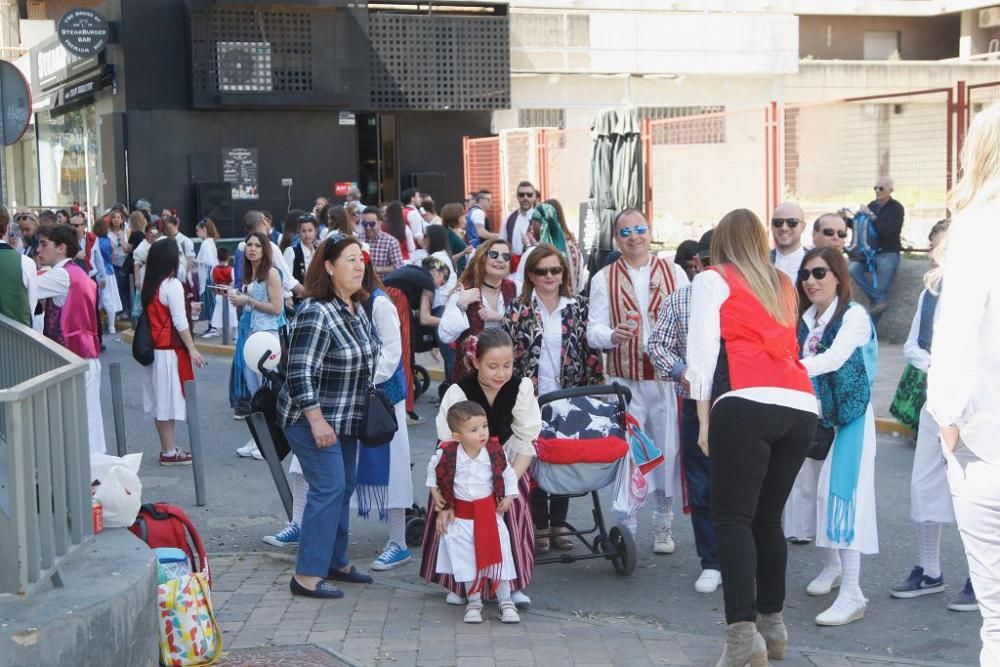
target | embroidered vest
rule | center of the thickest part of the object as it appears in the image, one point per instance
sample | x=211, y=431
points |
x=13, y=294
x=629, y=360
x=499, y=415
x=846, y=392
x=445, y=469
x=74, y=325
x=756, y=350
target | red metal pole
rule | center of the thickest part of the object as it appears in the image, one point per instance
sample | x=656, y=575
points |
x=465, y=165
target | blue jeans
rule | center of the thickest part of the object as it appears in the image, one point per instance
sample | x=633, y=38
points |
x=697, y=474
x=886, y=264
x=330, y=473
x=447, y=351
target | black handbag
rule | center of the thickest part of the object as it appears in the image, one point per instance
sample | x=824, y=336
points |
x=821, y=444
x=142, y=341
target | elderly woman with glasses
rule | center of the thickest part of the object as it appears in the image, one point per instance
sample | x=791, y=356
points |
x=332, y=351
x=479, y=301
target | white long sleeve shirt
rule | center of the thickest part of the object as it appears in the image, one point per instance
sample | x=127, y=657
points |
x=962, y=389
x=455, y=322
x=473, y=476
x=599, y=326
x=387, y=325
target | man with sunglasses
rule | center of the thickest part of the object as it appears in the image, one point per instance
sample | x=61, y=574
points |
x=384, y=249
x=519, y=222
x=786, y=231
x=625, y=299
x=887, y=217
x=28, y=222
x=830, y=231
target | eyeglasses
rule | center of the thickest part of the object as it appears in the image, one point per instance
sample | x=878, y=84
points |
x=525, y=195
x=549, y=271
x=626, y=232
x=879, y=188
x=791, y=223
x=831, y=232
x=369, y=223
x=496, y=254
x=818, y=273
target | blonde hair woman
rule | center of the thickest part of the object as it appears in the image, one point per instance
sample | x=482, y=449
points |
x=757, y=415
x=963, y=396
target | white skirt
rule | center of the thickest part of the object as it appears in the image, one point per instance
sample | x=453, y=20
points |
x=457, y=552
x=799, y=519
x=111, y=301
x=865, y=527
x=162, y=396
x=400, y=477
x=930, y=497
x=221, y=301
x=95, y=420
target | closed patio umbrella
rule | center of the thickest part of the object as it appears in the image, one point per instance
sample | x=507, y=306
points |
x=626, y=173
x=602, y=198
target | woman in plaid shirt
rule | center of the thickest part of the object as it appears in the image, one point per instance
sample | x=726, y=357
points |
x=332, y=350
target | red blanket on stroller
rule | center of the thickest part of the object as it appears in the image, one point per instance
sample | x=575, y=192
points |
x=580, y=450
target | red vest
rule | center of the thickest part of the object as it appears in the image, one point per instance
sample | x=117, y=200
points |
x=761, y=352
x=445, y=469
x=166, y=337
x=88, y=245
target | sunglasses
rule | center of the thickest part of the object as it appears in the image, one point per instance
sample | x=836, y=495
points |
x=525, y=195
x=791, y=223
x=818, y=273
x=550, y=271
x=879, y=188
x=369, y=223
x=496, y=254
x=829, y=231
x=626, y=232
x=307, y=217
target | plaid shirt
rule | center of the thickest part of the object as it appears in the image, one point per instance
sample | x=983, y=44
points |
x=331, y=354
x=385, y=251
x=668, y=342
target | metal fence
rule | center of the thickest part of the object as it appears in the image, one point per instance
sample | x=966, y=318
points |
x=44, y=457
x=824, y=156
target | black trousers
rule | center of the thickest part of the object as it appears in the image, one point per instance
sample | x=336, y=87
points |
x=547, y=511
x=698, y=475
x=756, y=450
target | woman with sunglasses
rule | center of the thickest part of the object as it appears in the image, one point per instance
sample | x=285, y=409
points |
x=549, y=328
x=757, y=416
x=479, y=301
x=839, y=351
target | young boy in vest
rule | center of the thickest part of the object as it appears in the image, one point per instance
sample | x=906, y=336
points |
x=625, y=300
x=222, y=279
x=472, y=484
x=71, y=315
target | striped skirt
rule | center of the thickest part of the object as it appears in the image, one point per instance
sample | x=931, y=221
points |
x=522, y=543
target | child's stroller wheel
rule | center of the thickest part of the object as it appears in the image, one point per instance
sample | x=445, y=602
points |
x=624, y=549
x=415, y=531
x=421, y=380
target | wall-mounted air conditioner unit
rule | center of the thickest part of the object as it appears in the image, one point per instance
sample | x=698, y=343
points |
x=989, y=17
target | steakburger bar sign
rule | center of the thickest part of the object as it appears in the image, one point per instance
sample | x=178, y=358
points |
x=83, y=32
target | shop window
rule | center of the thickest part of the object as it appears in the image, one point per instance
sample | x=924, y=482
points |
x=69, y=158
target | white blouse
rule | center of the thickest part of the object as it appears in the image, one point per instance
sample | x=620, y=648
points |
x=386, y=319
x=473, y=476
x=550, y=358
x=965, y=363
x=441, y=293
x=526, y=426
x=708, y=292
x=855, y=331
x=455, y=322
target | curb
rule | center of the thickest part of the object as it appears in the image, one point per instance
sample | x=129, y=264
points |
x=889, y=426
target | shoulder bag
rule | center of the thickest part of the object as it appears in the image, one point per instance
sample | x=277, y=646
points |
x=142, y=341
x=378, y=417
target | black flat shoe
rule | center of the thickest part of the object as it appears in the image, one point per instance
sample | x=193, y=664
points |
x=352, y=577
x=324, y=590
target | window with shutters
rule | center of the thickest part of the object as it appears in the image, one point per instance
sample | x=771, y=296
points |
x=881, y=44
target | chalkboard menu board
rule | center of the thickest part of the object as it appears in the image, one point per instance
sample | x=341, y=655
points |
x=239, y=169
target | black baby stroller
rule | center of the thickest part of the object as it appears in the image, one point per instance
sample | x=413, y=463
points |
x=580, y=450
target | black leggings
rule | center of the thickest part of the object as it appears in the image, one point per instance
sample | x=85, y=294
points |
x=756, y=450
x=547, y=511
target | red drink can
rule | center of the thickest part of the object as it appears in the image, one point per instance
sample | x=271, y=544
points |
x=98, y=513
x=633, y=319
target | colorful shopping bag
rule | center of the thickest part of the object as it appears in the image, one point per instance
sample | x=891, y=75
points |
x=645, y=453
x=189, y=634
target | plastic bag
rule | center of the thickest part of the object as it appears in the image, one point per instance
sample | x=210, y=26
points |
x=630, y=489
x=120, y=491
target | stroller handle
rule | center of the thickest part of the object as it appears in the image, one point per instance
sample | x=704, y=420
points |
x=623, y=393
x=268, y=374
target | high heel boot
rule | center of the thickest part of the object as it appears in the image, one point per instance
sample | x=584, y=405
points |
x=772, y=628
x=744, y=646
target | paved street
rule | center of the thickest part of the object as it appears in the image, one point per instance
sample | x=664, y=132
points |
x=656, y=608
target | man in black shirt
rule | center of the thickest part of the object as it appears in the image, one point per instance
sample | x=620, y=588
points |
x=887, y=218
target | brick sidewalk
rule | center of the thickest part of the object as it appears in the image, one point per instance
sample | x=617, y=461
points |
x=399, y=622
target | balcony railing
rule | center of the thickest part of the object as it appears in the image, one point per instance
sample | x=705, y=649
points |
x=44, y=457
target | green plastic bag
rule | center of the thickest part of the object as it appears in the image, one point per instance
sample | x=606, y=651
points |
x=911, y=394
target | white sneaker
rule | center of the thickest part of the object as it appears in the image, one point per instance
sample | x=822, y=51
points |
x=844, y=610
x=824, y=583
x=451, y=598
x=474, y=612
x=249, y=451
x=709, y=581
x=211, y=333
x=520, y=599
x=508, y=612
x=663, y=541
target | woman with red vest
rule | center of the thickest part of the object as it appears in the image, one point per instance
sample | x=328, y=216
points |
x=170, y=326
x=757, y=413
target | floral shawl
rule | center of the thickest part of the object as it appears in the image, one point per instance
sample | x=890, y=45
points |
x=581, y=365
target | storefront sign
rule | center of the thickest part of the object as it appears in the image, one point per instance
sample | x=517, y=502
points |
x=346, y=118
x=16, y=98
x=83, y=32
x=239, y=169
x=53, y=64
x=80, y=91
x=341, y=188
